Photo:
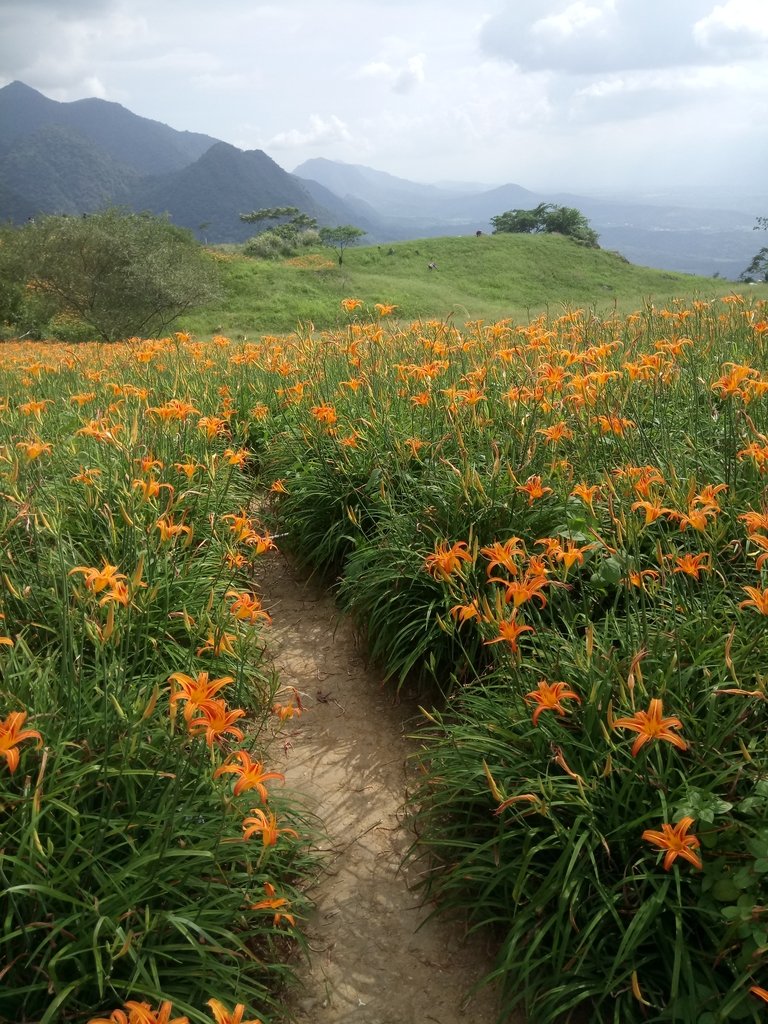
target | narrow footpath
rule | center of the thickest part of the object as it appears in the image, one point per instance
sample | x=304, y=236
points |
x=373, y=959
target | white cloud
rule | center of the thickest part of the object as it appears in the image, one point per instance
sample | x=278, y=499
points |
x=321, y=132
x=576, y=18
x=402, y=78
x=735, y=27
x=599, y=36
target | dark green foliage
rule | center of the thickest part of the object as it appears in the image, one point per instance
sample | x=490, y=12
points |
x=120, y=274
x=340, y=238
x=548, y=218
x=758, y=268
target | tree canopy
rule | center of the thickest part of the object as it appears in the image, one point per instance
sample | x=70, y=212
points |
x=548, y=218
x=341, y=237
x=292, y=230
x=758, y=268
x=120, y=274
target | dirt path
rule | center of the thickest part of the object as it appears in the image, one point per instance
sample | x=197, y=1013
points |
x=371, y=961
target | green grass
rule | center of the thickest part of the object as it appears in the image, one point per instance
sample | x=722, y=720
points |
x=491, y=277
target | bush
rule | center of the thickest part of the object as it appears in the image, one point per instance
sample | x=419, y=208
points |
x=121, y=274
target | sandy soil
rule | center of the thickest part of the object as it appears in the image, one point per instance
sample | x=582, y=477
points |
x=374, y=959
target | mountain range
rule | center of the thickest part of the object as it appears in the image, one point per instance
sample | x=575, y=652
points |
x=77, y=157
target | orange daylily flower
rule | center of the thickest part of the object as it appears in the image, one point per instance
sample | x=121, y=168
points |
x=691, y=565
x=195, y=691
x=708, y=495
x=141, y=1013
x=676, y=841
x=637, y=577
x=34, y=449
x=761, y=993
x=287, y=711
x=445, y=561
x=614, y=424
x=188, y=468
x=174, y=409
x=34, y=407
x=247, y=607
x=324, y=414
x=698, y=515
x=212, y=426
x=278, y=487
x=275, y=903
x=755, y=521
x=415, y=444
x=422, y=398
x=520, y=591
x=12, y=733
x=534, y=489
x=548, y=697
x=149, y=464
x=81, y=400
x=169, y=530
x=587, y=493
x=150, y=488
x=572, y=553
x=465, y=612
x=251, y=774
x=653, y=510
x=729, y=385
x=217, y=722
x=241, y=524
x=86, y=476
x=349, y=305
x=509, y=630
x=503, y=555
x=221, y=644
x=97, y=580
x=260, y=542
x=557, y=432
x=116, y=1017
x=237, y=458
x=224, y=1016
x=235, y=559
x=117, y=593
x=266, y=824
x=758, y=599
x=650, y=725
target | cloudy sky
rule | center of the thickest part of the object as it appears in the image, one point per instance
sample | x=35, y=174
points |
x=574, y=94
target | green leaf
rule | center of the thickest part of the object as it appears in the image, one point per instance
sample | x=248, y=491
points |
x=725, y=891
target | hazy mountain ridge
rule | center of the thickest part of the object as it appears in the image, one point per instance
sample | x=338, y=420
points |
x=668, y=236
x=77, y=157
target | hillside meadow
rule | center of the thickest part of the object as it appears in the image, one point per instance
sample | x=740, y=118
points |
x=488, y=277
x=554, y=525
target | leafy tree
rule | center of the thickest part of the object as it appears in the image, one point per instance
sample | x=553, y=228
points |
x=758, y=268
x=340, y=238
x=293, y=230
x=520, y=222
x=11, y=287
x=549, y=218
x=120, y=273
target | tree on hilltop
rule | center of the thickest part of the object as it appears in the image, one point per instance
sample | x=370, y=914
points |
x=547, y=218
x=758, y=268
x=340, y=238
x=292, y=230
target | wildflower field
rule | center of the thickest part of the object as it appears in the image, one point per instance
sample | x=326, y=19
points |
x=145, y=854
x=558, y=529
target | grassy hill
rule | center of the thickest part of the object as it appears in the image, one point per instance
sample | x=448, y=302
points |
x=490, y=277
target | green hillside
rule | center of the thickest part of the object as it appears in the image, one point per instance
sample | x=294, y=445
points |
x=490, y=277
